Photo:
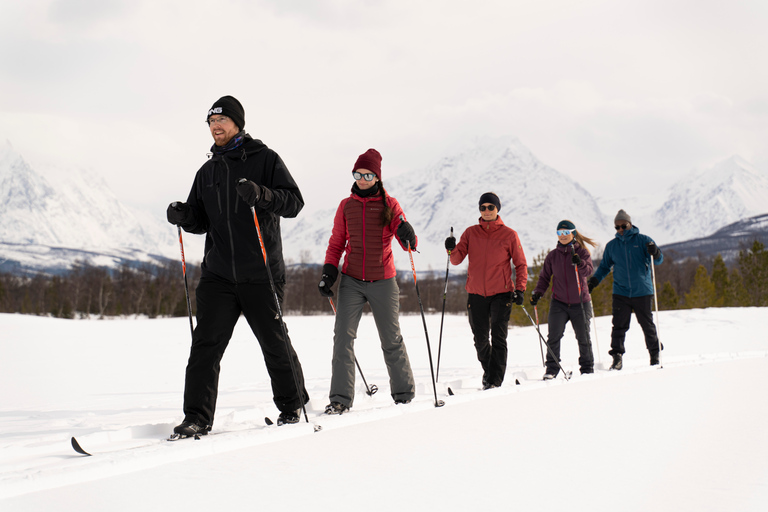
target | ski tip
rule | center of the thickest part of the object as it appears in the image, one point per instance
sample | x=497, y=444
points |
x=268, y=421
x=450, y=391
x=517, y=382
x=78, y=448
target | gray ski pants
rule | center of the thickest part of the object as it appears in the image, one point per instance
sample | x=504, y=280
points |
x=384, y=299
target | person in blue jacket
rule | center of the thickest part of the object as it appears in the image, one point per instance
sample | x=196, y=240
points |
x=630, y=255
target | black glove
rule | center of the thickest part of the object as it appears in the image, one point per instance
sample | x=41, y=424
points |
x=653, y=249
x=535, y=298
x=406, y=234
x=249, y=191
x=592, y=283
x=575, y=259
x=518, y=297
x=178, y=213
x=450, y=243
x=330, y=273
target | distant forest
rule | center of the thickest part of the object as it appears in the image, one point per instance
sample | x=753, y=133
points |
x=87, y=291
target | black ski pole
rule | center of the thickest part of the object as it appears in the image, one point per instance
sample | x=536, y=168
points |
x=541, y=347
x=280, y=317
x=583, y=311
x=442, y=316
x=370, y=391
x=656, y=302
x=186, y=283
x=438, y=403
x=549, y=350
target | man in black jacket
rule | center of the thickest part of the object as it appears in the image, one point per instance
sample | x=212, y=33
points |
x=242, y=172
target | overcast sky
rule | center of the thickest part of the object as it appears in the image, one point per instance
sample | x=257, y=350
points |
x=618, y=95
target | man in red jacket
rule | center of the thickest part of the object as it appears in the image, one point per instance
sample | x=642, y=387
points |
x=491, y=246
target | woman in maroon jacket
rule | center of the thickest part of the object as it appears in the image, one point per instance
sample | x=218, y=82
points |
x=363, y=229
x=491, y=246
x=566, y=303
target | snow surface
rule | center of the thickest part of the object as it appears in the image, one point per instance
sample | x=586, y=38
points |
x=690, y=436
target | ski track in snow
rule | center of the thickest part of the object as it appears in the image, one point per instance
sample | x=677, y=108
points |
x=116, y=386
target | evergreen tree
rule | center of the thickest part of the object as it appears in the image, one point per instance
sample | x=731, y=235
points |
x=668, y=298
x=736, y=295
x=753, y=266
x=720, y=280
x=702, y=294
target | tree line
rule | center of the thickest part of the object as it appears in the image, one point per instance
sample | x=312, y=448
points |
x=690, y=283
x=88, y=291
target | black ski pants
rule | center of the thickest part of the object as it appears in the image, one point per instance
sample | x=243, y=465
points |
x=560, y=314
x=490, y=314
x=622, y=314
x=219, y=305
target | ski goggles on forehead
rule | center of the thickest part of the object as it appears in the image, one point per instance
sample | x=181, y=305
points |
x=359, y=175
x=565, y=232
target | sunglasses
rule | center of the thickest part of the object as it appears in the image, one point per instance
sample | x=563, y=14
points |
x=368, y=177
x=565, y=232
x=622, y=226
x=490, y=207
x=217, y=120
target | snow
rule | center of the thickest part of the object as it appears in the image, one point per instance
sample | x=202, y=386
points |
x=690, y=436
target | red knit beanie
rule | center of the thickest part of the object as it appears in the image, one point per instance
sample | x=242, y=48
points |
x=370, y=160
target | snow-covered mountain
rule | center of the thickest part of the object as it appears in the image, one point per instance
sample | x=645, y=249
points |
x=534, y=198
x=51, y=219
x=48, y=219
x=727, y=241
x=705, y=201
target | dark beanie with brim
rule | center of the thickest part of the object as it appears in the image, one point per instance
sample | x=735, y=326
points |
x=230, y=107
x=566, y=224
x=490, y=197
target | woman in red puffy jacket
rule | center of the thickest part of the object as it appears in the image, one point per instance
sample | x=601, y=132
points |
x=492, y=285
x=363, y=229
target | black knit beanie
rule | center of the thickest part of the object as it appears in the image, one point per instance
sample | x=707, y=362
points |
x=566, y=224
x=230, y=107
x=490, y=197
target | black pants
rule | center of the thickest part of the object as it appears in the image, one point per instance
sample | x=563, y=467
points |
x=559, y=315
x=490, y=314
x=219, y=304
x=622, y=313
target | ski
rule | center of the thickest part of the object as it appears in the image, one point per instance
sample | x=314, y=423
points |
x=179, y=437
x=268, y=421
x=78, y=448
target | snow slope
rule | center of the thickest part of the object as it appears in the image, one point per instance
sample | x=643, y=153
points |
x=53, y=216
x=705, y=201
x=690, y=436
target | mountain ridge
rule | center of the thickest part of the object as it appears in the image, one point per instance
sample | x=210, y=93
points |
x=64, y=214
